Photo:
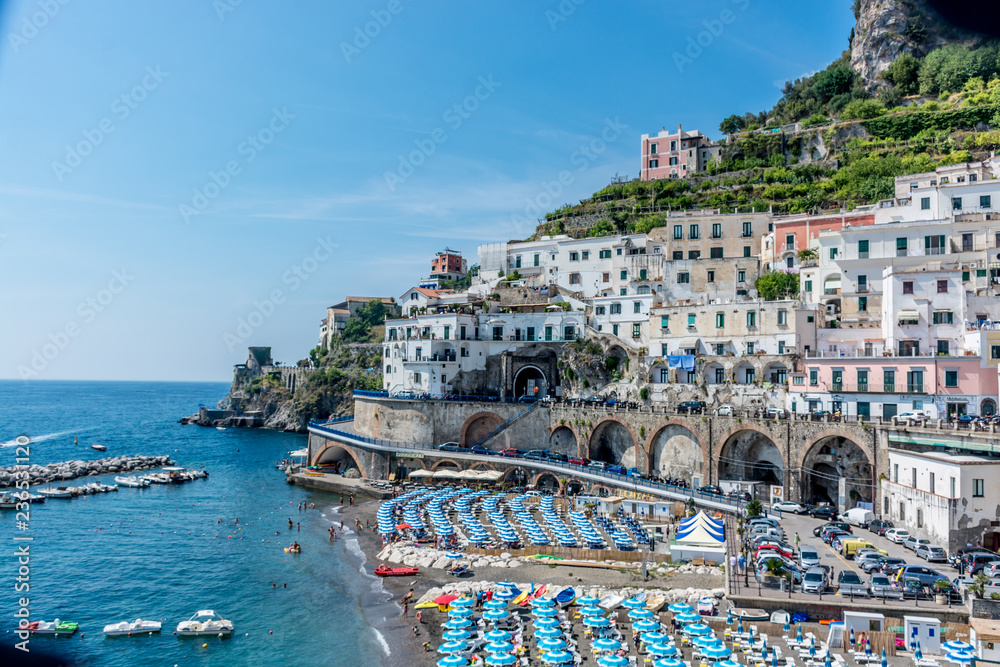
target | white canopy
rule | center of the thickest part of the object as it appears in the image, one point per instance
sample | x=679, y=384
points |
x=420, y=473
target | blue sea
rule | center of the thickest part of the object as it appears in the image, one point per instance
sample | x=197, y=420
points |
x=164, y=552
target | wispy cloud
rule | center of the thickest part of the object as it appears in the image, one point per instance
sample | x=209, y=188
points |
x=76, y=197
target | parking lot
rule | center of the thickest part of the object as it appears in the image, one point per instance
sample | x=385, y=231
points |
x=804, y=525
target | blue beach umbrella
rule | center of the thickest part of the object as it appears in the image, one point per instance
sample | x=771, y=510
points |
x=495, y=604
x=454, y=555
x=827, y=662
x=496, y=615
x=587, y=600
x=543, y=602
x=545, y=612
x=687, y=617
x=957, y=645
x=501, y=660
x=662, y=650
x=680, y=608
x=457, y=623
x=884, y=661
x=505, y=594
x=633, y=603
x=698, y=629
x=798, y=634
x=499, y=647
x=918, y=654
x=960, y=657
x=669, y=662
x=717, y=652
x=553, y=644
x=548, y=633
x=452, y=647
x=456, y=635
x=460, y=612
x=546, y=623
x=812, y=650
x=655, y=637
x=557, y=657
x=739, y=628
x=497, y=636
x=596, y=622
x=606, y=644
x=645, y=626
x=591, y=610
x=640, y=614
x=707, y=640
x=788, y=628
x=463, y=602
x=774, y=659
x=612, y=661
x=452, y=661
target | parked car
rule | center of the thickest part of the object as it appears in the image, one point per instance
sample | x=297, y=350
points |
x=600, y=465
x=762, y=569
x=633, y=472
x=858, y=516
x=912, y=589
x=872, y=563
x=912, y=542
x=808, y=557
x=849, y=583
x=891, y=566
x=691, y=407
x=479, y=449
x=931, y=553
x=974, y=563
x=897, y=535
x=881, y=587
x=912, y=417
x=823, y=512
x=536, y=455
x=618, y=470
x=773, y=548
x=818, y=530
x=724, y=410
x=830, y=533
x=819, y=415
x=556, y=456
x=788, y=506
x=510, y=453
x=711, y=489
x=450, y=447
x=879, y=526
x=815, y=580
x=580, y=461
x=964, y=551
x=992, y=570
x=925, y=575
x=762, y=519
x=776, y=413
x=849, y=547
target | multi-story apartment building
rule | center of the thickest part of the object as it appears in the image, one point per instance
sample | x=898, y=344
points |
x=448, y=265
x=795, y=233
x=675, y=155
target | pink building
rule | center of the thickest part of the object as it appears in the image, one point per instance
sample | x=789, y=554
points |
x=676, y=155
x=885, y=386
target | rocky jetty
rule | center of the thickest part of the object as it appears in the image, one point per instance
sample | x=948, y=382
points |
x=55, y=472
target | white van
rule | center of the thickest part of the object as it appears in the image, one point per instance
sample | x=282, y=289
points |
x=858, y=516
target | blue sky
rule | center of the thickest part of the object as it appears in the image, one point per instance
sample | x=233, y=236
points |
x=171, y=170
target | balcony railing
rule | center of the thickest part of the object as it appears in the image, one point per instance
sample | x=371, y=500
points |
x=836, y=386
x=914, y=388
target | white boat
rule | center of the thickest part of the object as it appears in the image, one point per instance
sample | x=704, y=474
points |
x=706, y=606
x=655, y=602
x=609, y=602
x=138, y=626
x=7, y=502
x=780, y=617
x=220, y=428
x=55, y=627
x=58, y=492
x=156, y=478
x=132, y=481
x=205, y=622
x=99, y=447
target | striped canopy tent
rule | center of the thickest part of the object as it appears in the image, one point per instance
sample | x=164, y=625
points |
x=700, y=530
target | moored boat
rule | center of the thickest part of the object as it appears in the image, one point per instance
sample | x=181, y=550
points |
x=8, y=502
x=205, y=622
x=655, y=602
x=748, y=614
x=565, y=597
x=99, y=447
x=55, y=627
x=138, y=626
x=609, y=602
x=132, y=481
x=386, y=571
x=58, y=492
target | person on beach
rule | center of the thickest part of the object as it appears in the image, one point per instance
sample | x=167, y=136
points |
x=341, y=499
x=408, y=596
x=290, y=522
x=352, y=500
x=298, y=526
x=406, y=609
x=797, y=539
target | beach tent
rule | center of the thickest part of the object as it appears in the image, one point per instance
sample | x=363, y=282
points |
x=417, y=474
x=700, y=530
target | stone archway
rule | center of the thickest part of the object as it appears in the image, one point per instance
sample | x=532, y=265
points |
x=575, y=487
x=988, y=407
x=515, y=476
x=612, y=442
x=675, y=451
x=563, y=440
x=547, y=481
x=833, y=466
x=751, y=455
x=478, y=426
x=530, y=381
x=483, y=466
x=446, y=463
x=335, y=452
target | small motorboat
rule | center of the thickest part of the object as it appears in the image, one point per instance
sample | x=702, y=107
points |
x=132, y=481
x=8, y=502
x=156, y=478
x=706, y=606
x=609, y=602
x=99, y=447
x=55, y=627
x=176, y=475
x=138, y=626
x=748, y=614
x=780, y=617
x=386, y=571
x=58, y=492
x=205, y=622
x=565, y=597
x=220, y=428
x=655, y=602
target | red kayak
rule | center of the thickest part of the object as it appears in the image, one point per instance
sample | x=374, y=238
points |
x=386, y=571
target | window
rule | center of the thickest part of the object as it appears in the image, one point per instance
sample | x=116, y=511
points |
x=789, y=241
x=862, y=380
x=642, y=274
x=690, y=321
x=716, y=230
x=678, y=254
x=833, y=253
x=934, y=245
x=750, y=350
x=569, y=332
x=720, y=320
x=664, y=376
x=694, y=232
x=994, y=351
x=798, y=379
x=747, y=229
x=574, y=257
x=678, y=232
x=888, y=381
x=808, y=286
x=606, y=277
x=782, y=317
x=600, y=310
x=925, y=203
x=901, y=247
x=616, y=309
x=907, y=287
x=978, y=488
x=683, y=278
x=720, y=348
x=751, y=318
x=951, y=378
x=943, y=317
x=604, y=254
x=933, y=477
x=574, y=279
x=664, y=321
x=741, y=276
x=813, y=377
x=837, y=380
x=654, y=164
x=416, y=378
x=746, y=251
x=862, y=283
x=694, y=254
x=715, y=253
x=673, y=146
x=956, y=203
x=985, y=201
x=952, y=487
x=967, y=242
x=673, y=162
x=636, y=330
x=942, y=287
x=862, y=249
x=585, y=255
x=862, y=304
x=895, y=473
x=637, y=306
x=652, y=149
x=915, y=382
x=720, y=375
x=517, y=262
x=624, y=275
x=622, y=292
x=710, y=276
x=497, y=333
x=614, y=329
x=943, y=348
x=618, y=251
x=447, y=332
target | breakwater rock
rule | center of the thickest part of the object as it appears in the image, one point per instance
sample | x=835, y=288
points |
x=54, y=472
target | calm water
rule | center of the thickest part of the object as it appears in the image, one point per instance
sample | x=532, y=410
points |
x=160, y=553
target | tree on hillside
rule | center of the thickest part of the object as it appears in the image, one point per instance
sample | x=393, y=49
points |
x=373, y=312
x=732, y=125
x=356, y=330
x=777, y=285
x=903, y=74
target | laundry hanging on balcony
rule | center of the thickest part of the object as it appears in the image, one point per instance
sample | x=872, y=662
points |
x=684, y=362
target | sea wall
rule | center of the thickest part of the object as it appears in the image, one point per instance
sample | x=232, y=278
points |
x=53, y=472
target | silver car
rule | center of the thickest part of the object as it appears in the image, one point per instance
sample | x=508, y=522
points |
x=808, y=558
x=881, y=587
x=931, y=553
x=814, y=580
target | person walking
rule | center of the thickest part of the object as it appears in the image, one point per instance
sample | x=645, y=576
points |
x=741, y=561
x=797, y=540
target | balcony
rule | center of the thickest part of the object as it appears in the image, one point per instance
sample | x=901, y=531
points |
x=836, y=386
x=889, y=388
x=863, y=289
x=915, y=388
x=832, y=291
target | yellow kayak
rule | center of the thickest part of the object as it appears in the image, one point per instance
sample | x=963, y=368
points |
x=521, y=598
x=425, y=605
